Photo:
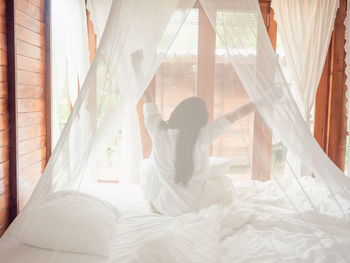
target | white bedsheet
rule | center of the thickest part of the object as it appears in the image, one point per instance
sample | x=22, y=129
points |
x=259, y=227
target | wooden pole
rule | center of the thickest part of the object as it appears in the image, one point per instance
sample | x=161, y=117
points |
x=206, y=61
x=48, y=93
x=12, y=109
x=262, y=136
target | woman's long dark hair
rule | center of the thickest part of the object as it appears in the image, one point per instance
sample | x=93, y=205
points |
x=188, y=117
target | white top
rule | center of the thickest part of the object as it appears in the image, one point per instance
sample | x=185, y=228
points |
x=160, y=188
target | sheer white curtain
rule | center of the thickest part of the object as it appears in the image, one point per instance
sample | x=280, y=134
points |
x=284, y=118
x=99, y=11
x=305, y=28
x=111, y=88
x=130, y=144
x=70, y=55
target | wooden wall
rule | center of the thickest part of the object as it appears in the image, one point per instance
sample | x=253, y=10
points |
x=22, y=103
x=30, y=83
x=4, y=149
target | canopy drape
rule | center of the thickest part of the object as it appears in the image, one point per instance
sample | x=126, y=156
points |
x=70, y=59
x=305, y=28
x=111, y=91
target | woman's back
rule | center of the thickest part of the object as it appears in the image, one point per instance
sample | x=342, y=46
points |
x=168, y=197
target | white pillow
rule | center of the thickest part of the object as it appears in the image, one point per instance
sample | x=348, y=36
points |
x=68, y=221
x=218, y=166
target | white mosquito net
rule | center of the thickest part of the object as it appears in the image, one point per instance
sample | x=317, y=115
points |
x=246, y=70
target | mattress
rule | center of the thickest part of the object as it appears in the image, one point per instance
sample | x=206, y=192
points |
x=260, y=226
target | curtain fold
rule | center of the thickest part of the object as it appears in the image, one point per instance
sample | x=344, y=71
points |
x=264, y=86
x=305, y=28
x=130, y=161
x=99, y=11
x=70, y=56
x=112, y=89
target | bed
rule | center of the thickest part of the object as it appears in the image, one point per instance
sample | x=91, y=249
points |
x=260, y=226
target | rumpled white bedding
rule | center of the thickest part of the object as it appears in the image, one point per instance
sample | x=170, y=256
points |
x=260, y=226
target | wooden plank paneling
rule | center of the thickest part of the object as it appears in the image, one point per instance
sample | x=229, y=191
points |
x=4, y=153
x=29, y=22
x=3, y=106
x=4, y=185
x=30, y=9
x=31, y=145
x=4, y=169
x=3, y=8
x=34, y=92
x=31, y=118
x=32, y=157
x=3, y=74
x=30, y=105
x=3, y=57
x=3, y=26
x=3, y=122
x=30, y=173
x=29, y=132
x=3, y=41
x=4, y=213
x=3, y=90
x=30, y=64
x=4, y=138
x=30, y=78
x=26, y=49
x=38, y=3
x=31, y=68
x=29, y=36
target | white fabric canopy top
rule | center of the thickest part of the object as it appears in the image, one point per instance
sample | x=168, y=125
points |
x=112, y=90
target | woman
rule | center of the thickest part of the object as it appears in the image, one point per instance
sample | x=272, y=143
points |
x=176, y=174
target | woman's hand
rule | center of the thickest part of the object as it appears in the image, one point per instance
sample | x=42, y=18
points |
x=136, y=61
x=240, y=112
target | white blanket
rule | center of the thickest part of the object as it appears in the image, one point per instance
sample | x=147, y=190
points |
x=259, y=226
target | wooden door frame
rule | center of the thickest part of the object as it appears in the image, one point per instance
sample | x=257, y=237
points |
x=12, y=108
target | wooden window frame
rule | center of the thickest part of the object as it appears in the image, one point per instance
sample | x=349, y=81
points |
x=262, y=138
x=48, y=86
x=330, y=129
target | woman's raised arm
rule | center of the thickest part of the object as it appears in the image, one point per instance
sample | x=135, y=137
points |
x=240, y=112
x=136, y=60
